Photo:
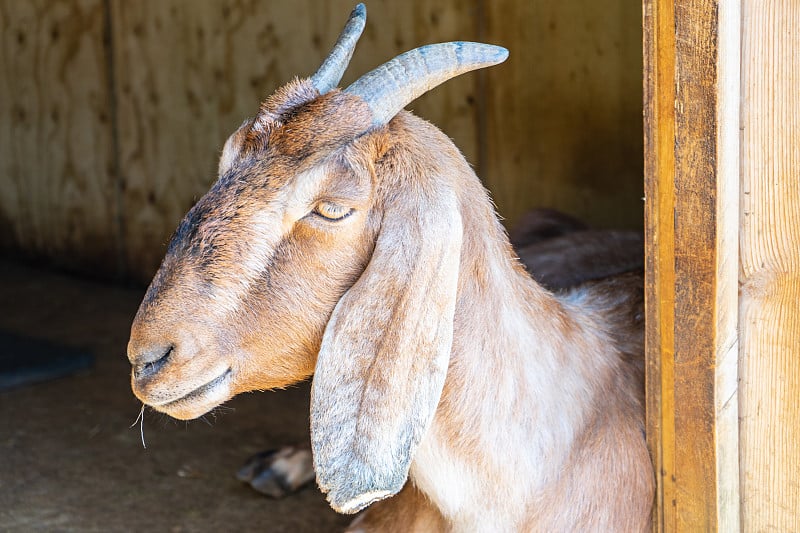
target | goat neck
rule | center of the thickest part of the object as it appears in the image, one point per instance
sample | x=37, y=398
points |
x=525, y=374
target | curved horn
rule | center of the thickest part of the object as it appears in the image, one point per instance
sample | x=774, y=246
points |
x=396, y=83
x=332, y=69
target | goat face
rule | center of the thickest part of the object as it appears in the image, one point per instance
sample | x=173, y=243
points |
x=329, y=245
x=344, y=265
x=254, y=270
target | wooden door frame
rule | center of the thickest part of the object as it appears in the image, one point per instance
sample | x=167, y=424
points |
x=722, y=225
x=691, y=97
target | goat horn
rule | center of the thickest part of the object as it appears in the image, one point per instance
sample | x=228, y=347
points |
x=332, y=69
x=396, y=83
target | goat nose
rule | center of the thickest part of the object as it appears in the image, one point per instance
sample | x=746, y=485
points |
x=150, y=360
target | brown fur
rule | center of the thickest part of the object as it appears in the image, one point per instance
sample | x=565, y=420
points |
x=507, y=407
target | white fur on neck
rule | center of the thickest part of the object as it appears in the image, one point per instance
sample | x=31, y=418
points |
x=524, y=455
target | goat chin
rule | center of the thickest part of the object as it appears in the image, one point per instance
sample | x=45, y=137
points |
x=350, y=240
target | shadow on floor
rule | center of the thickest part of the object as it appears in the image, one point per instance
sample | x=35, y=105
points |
x=69, y=460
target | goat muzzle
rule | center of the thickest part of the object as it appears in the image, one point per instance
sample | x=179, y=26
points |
x=180, y=379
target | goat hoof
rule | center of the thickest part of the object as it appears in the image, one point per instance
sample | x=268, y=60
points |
x=277, y=473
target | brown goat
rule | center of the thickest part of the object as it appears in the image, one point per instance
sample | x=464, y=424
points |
x=348, y=239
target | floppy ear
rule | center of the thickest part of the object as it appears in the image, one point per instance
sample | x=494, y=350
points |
x=384, y=354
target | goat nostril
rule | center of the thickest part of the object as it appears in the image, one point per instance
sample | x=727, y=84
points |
x=151, y=362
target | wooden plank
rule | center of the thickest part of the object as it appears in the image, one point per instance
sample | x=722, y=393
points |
x=59, y=198
x=691, y=97
x=659, y=168
x=564, y=112
x=770, y=267
x=189, y=72
x=726, y=345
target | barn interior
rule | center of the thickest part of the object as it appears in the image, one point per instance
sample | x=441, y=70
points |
x=112, y=118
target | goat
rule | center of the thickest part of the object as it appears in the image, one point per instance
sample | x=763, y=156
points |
x=348, y=239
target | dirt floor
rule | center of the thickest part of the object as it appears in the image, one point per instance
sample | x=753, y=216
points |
x=70, y=462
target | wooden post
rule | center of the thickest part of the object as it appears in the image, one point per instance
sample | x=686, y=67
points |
x=769, y=321
x=691, y=93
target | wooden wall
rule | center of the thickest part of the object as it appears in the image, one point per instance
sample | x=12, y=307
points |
x=113, y=112
x=58, y=181
x=722, y=132
x=769, y=306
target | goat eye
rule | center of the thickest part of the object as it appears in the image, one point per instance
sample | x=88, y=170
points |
x=330, y=211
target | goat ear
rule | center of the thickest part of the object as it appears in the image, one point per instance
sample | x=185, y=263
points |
x=232, y=148
x=384, y=355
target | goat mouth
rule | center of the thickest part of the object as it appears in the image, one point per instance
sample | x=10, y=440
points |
x=200, y=393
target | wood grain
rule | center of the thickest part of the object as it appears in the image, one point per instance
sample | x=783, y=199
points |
x=726, y=345
x=564, y=112
x=770, y=267
x=190, y=72
x=135, y=99
x=56, y=153
x=691, y=119
x=659, y=168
